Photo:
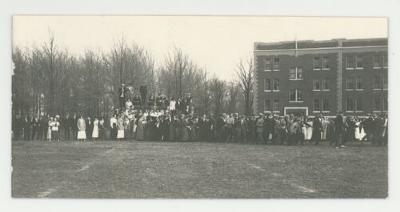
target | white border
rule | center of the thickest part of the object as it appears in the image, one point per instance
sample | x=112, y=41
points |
x=387, y=8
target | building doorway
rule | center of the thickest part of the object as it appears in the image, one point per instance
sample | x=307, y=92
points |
x=296, y=111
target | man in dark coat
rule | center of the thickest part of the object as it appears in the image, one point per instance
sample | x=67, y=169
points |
x=317, y=129
x=122, y=92
x=268, y=128
x=339, y=131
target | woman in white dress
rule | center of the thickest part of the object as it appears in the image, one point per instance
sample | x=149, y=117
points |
x=359, y=130
x=81, y=129
x=95, y=133
x=50, y=125
x=120, y=127
x=324, y=123
x=309, y=129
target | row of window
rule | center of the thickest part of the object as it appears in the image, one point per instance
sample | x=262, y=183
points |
x=356, y=104
x=322, y=62
x=271, y=84
x=320, y=85
x=356, y=61
x=379, y=82
x=322, y=104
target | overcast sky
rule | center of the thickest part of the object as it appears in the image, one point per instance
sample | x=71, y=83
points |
x=216, y=43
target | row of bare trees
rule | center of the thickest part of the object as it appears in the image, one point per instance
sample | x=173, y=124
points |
x=51, y=80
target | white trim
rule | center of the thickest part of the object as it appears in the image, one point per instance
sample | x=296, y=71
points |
x=326, y=69
x=296, y=79
x=317, y=69
x=276, y=90
x=267, y=70
x=268, y=91
x=296, y=101
x=326, y=90
x=359, y=68
x=377, y=67
x=275, y=69
x=362, y=89
x=285, y=108
x=379, y=111
x=349, y=68
x=326, y=111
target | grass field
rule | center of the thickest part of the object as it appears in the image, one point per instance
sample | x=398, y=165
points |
x=196, y=170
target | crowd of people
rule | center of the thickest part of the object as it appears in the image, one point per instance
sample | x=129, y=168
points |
x=172, y=125
x=162, y=119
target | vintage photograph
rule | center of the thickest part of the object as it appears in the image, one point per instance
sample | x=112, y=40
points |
x=199, y=107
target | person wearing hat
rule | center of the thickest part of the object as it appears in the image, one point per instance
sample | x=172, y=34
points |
x=339, y=131
x=122, y=95
x=259, y=128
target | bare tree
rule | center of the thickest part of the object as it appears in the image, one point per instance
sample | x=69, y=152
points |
x=217, y=91
x=233, y=98
x=244, y=71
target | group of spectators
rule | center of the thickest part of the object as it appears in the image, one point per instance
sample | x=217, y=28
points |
x=182, y=125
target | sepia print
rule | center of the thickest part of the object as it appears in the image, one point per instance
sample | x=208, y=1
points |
x=199, y=107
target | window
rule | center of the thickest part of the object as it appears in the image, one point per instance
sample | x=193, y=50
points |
x=350, y=104
x=276, y=105
x=316, y=64
x=325, y=63
x=299, y=95
x=385, y=102
x=267, y=105
x=385, y=60
x=325, y=104
x=381, y=103
x=359, y=85
x=317, y=105
x=296, y=95
x=276, y=84
x=377, y=82
x=377, y=103
x=316, y=85
x=268, y=64
x=299, y=73
x=377, y=61
x=358, y=104
x=350, y=62
x=292, y=95
x=350, y=84
x=267, y=84
x=385, y=81
x=359, y=62
x=292, y=73
x=276, y=64
x=325, y=84
x=296, y=73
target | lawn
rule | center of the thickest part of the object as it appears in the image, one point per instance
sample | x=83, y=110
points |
x=131, y=169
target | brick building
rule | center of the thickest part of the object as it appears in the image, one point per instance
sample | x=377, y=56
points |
x=313, y=77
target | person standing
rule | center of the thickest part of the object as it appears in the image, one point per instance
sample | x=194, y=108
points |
x=317, y=130
x=259, y=128
x=113, y=127
x=122, y=95
x=89, y=127
x=81, y=126
x=339, y=131
x=95, y=133
x=55, y=130
x=50, y=126
x=120, y=127
x=35, y=128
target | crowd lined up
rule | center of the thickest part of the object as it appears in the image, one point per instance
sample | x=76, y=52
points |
x=173, y=125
